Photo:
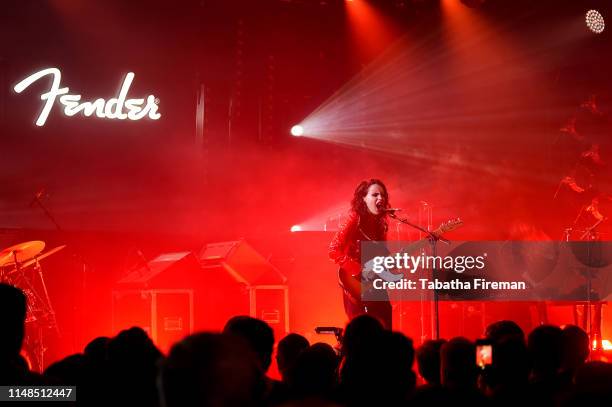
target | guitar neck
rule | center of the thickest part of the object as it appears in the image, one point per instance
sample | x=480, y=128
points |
x=443, y=228
x=419, y=244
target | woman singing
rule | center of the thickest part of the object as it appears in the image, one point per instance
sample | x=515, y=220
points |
x=366, y=222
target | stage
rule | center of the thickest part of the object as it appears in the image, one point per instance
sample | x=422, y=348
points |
x=170, y=166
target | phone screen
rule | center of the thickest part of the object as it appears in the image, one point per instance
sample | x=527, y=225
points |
x=484, y=355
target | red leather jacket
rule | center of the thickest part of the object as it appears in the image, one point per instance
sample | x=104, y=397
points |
x=346, y=244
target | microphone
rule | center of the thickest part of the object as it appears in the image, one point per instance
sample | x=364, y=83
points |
x=381, y=208
x=37, y=197
x=392, y=210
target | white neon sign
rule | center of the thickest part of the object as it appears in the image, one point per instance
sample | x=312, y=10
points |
x=108, y=109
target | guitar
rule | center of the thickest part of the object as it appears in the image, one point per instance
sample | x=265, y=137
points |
x=351, y=274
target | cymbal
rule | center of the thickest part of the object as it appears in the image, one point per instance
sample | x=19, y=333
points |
x=42, y=256
x=21, y=252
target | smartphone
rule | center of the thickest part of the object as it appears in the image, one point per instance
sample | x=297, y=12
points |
x=484, y=353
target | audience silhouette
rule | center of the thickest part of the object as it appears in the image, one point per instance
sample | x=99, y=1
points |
x=374, y=366
x=287, y=352
x=13, y=367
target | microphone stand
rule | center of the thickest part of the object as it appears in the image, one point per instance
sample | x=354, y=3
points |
x=433, y=240
x=84, y=265
x=38, y=202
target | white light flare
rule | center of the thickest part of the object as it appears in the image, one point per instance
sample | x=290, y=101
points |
x=595, y=21
x=297, y=130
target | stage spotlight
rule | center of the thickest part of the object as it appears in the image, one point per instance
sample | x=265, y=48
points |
x=297, y=130
x=595, y=21
x=296, y=228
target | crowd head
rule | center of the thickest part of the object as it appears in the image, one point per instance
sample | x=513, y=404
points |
x=371, y=366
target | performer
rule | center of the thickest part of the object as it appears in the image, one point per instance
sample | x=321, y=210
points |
x=366, y=221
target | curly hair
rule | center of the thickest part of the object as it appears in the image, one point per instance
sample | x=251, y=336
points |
x=357, y=203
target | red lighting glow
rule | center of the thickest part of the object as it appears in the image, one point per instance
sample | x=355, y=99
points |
x=371, y=30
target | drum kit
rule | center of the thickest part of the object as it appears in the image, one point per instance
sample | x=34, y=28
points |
x=20, y=266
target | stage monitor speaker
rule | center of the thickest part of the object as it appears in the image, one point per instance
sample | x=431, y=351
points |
x=242, y=262
x=168, y=270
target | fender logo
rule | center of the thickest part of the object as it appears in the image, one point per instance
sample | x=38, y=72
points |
x=135, y=109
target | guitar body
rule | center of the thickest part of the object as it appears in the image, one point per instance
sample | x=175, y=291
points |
x=350, y=273
x=350, y=278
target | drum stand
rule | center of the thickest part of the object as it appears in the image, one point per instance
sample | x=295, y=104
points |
x=591, y=309
x=40, y=313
